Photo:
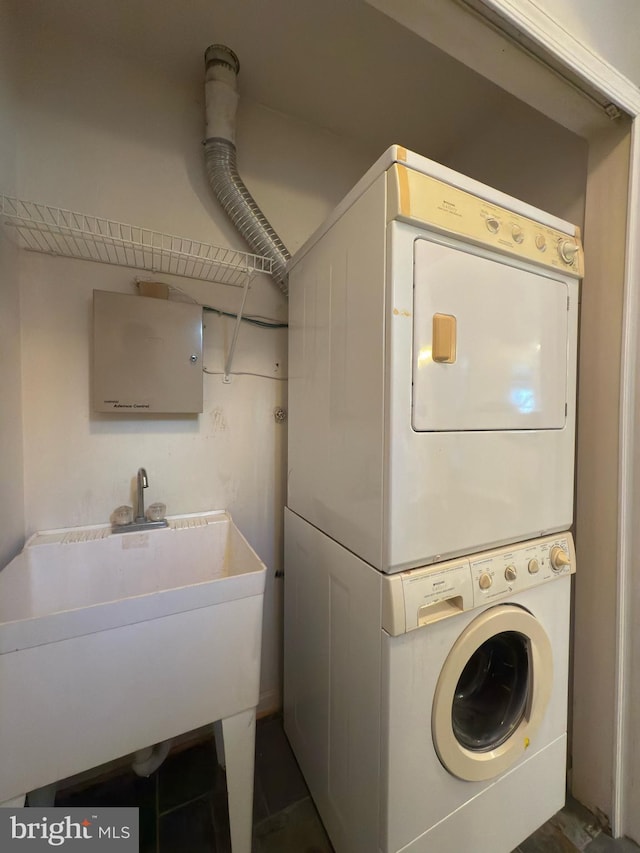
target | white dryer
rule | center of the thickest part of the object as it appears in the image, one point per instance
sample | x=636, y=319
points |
x=433, y=338
x=428, y=709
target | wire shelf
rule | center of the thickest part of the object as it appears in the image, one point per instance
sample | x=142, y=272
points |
x=52, y=230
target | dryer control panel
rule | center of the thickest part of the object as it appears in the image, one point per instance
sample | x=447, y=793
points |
x=418, y=198
x=422, y=596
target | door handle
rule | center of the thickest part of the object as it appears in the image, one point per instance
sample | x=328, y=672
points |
x=443, y=347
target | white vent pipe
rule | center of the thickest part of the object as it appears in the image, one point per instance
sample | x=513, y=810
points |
x=221, y=92
x=146, y=761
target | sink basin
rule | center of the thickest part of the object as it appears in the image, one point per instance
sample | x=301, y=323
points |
x=76, y=581
x=113, y=642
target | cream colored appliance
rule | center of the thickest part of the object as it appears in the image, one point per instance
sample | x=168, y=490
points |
x=433, y=337
x=428, y=708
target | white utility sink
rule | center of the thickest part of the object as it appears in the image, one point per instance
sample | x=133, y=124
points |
x=112, y=642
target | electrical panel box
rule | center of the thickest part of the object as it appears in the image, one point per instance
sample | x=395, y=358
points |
x=147, y=354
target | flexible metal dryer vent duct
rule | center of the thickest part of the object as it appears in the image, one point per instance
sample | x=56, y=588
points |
x=221, y=90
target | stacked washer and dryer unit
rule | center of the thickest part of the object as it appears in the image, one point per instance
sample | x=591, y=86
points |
x=433, y=338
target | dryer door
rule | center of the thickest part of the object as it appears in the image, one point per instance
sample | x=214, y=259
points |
x=490, y=343
x=492, y=693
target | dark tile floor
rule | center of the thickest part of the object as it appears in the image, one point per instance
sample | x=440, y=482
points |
x=183, y=806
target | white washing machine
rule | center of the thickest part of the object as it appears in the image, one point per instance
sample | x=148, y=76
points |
x=428, y=709
x=432, y=361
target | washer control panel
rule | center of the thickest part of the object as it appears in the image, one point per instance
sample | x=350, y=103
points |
x=505, y=571
x=422, y=596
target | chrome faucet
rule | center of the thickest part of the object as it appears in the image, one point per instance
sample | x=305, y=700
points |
x=140, y=521
x=143, y=483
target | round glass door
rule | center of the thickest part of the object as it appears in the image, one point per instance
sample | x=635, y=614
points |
x=492, y=693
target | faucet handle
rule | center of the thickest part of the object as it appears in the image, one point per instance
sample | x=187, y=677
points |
x=156, y=511
x=122, y=515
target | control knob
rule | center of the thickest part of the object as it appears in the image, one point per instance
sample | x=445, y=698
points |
x=510, y=573
x=567, y=250
x=559, y=558
x=485, y=580
x=533, y=567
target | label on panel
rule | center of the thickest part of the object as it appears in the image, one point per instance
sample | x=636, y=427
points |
x=490, y=343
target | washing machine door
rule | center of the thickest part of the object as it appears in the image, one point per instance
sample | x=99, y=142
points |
x=492, y=693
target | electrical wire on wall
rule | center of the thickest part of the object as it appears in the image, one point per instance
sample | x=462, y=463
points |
x=262, y=322
x=245, y=373
x=252, y=319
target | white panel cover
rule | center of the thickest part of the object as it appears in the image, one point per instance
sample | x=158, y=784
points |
x=510, y=368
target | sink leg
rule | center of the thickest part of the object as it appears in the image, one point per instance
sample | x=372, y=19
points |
x=239, y=734
x=219, y=741
x=43, y=798
x=15, y=803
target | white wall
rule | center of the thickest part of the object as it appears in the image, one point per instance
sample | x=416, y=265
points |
x=598, y=445
x=110, y=138
x=11, y=480
x=609, y=28
x=540, y=161
x=632, y=662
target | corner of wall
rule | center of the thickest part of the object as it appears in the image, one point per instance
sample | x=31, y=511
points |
x=11, y=443
x=596, y=593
